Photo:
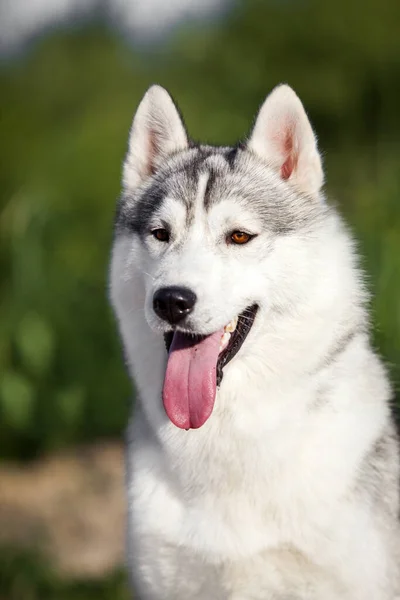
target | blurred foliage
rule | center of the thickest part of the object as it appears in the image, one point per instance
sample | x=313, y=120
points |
x=24, y=576
x=66, y=107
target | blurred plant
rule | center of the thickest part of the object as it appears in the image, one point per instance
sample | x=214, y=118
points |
x=65, y=113
x=24, y=576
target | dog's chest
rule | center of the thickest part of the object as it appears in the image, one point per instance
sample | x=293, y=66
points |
x=226, y=498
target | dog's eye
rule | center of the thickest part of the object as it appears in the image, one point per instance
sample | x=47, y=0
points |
x=162, y=235
x=240, y=237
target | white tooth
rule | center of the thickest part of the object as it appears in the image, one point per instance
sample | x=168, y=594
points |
x=231, y=326
x=225, y=340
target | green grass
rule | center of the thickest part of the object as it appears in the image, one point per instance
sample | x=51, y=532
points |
x=24, y=576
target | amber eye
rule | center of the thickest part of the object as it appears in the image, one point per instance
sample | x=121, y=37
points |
x=240, y=237
x=162, y=235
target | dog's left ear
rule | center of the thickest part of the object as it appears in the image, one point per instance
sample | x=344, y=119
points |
x=283, y=137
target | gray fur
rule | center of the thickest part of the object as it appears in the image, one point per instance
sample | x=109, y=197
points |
x=232, y=172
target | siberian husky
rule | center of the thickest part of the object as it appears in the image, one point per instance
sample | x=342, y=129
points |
x=262, y=458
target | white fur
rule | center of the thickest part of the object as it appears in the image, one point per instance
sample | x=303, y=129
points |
x=264, y=501
x=156, y=132
x=283, y=132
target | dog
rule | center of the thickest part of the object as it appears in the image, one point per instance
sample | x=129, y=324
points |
x=262, y=455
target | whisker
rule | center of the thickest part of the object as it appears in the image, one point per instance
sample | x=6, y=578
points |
x=148, y=274
x=248, y=319
x=135, y=310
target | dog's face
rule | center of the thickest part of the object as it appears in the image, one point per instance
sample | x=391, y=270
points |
x=213, y=237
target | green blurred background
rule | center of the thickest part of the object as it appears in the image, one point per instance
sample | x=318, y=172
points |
x=66, y=103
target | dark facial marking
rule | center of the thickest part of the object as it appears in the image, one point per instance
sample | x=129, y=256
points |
x=210, y=184
x=231, y=154
x=281, y=213
x=134, y=215
x=181, y=182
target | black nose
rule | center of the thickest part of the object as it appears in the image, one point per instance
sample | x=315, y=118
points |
x=173, y=303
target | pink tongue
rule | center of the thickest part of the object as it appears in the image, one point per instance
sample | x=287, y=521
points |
x=190, y=380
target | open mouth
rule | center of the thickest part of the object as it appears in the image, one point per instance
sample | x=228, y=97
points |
x=195, y=369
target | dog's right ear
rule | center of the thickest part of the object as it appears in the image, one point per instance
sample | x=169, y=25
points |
x=157, y=131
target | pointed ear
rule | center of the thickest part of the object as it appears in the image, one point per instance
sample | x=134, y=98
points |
x=283, y=137
x=157, y=131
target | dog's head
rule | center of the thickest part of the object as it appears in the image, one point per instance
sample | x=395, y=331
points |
x=211, y=240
